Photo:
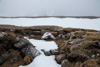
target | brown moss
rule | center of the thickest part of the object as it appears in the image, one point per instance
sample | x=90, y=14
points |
x=28, y=59
x=92, y=37
x=90, y=63
x=61, y=45
x=79, y=34
x=14, y=60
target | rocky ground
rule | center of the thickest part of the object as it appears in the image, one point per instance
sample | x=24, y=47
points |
x=76, y=47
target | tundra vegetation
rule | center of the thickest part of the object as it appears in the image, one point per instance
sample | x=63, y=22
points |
x=76, y=47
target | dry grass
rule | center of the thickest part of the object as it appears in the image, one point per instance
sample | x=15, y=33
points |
x=14, y=59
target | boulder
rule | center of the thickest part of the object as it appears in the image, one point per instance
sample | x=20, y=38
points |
x=47, y=35
x=4, y=57
x=59, y=58
x=22, y=42
x=30, y=50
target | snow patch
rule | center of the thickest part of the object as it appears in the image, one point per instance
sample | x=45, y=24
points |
x=42, y=60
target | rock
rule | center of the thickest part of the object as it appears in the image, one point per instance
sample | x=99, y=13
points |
x=29, y=32
x=47, y=35
x=68, y=46
x=4, y=57
x=64, y=63
x=61, y=36
x=59, y=58
x=36, y=32
x=2, y=34
x=30, y=50
x=84, y=35
x=93, y=56
x=47, y=53
x=76, y=42
x=70, y=36
x=96, y=44
x=98, y=55
x=44, y=31
x=22, y=42
x=54, y=52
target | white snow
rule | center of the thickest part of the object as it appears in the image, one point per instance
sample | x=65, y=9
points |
x=42, y=60
x=64, y=22
x=45, y=35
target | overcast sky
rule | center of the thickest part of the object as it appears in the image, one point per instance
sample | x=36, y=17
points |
x=49, y=7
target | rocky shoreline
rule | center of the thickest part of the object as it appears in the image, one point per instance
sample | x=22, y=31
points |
x=76, y=47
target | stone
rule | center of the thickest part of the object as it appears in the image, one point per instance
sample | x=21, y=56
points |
x=99, y=43
x=47, y=53
x=84, y=35
x=44, y=31
x=30, y=50
x=2, y=34
x=29, y=32
x=59, y=58
x=4, y=57
x=54, y=52
x=47, y=35
x=70, y=36
x=76, y=42
x=68, y=46
x=64, y=63
x=36, y=32
x=22, y=42
x=93, y=56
